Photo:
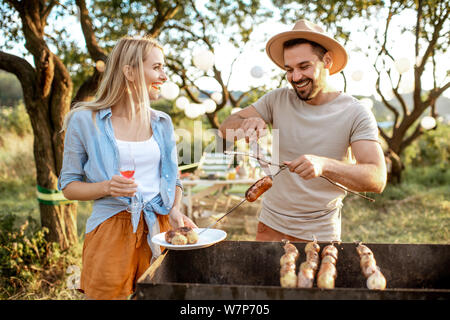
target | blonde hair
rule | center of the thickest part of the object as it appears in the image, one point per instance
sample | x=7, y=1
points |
x=114, y=85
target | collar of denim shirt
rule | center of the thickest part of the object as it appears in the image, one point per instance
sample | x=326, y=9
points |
x=154, y=114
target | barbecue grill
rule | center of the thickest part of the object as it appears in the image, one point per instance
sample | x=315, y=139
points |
x=250, y=270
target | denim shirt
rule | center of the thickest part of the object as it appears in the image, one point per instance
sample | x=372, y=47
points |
x=91, y=155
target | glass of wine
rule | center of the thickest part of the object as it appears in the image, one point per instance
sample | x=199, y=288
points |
x=127, y=169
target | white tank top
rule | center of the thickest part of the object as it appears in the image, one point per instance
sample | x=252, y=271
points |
x=147, y=172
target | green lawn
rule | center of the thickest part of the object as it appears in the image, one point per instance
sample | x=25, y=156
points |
x=420, y=217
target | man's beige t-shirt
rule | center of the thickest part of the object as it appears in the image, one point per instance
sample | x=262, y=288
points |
x=307, y=208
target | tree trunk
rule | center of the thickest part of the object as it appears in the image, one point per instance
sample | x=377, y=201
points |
x=46, y=117
x=61, y=221
x=213, y=119
x=88, y=88
x=394, y=167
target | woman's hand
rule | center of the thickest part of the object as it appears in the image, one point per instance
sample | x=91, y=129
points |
x=178, y=219
x=120, y=186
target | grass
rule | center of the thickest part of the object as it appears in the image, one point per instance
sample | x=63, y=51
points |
x=399, y=216
x=417, y=211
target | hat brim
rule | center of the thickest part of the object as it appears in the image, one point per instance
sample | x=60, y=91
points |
x=274, y=48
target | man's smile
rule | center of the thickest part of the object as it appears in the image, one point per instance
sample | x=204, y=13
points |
x=301, y=84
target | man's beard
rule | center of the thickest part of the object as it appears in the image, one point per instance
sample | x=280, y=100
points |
x=301, y=94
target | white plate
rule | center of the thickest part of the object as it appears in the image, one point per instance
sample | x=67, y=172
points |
x=206, y=239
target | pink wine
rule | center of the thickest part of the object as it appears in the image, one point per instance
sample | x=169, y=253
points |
x=127, y=174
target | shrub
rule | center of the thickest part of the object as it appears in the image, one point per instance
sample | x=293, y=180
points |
x=432, y=148
x=428, y=176
x=30, y=266
x=15, y=119
x=24, y=252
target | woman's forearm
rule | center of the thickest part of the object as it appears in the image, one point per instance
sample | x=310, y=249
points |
x=178, y=197
x=85, y=191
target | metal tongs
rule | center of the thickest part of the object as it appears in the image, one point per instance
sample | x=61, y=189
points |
x=264, y=163
x=228, y=212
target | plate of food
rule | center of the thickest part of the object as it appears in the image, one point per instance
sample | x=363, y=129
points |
x=186, y=238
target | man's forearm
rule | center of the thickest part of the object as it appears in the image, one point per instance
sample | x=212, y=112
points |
x=233, y=123
x=356, y=177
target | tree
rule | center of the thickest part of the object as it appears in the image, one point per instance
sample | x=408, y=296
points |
x=143, y=17
x=431, y=30
x=431, y=33
x=231, y=21
x=48, y=87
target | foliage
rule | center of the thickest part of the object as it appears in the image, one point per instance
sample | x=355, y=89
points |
x=29, y=264
x=15, y=119
x=10, y=89
x=21, y=254
x=429, y=176
x=432, y=149
x=209, y=26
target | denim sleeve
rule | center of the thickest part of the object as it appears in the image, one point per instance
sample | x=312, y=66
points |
x=74, y=157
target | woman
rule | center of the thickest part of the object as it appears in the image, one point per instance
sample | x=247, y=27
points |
x=118, y=123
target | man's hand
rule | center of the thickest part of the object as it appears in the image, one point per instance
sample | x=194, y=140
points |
x=246, y=123
x=178, y=219
x=254, y=128
x=307, y=166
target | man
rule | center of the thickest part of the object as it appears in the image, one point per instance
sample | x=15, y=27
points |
x=316, y=126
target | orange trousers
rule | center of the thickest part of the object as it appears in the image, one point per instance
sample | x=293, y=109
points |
x=114, y=257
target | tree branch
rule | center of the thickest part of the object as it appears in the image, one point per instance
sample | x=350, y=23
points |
x=432, y=43
x=95, y=51
x=383, y=98
x=417, y=132
x=388, y=22
x=245, y=94
x=46, y=11
x=397, y=94
x=418, y=21
x=434, y=94
x=384, y=135
x=162, y=17
x=185, y=29
x=22, y=70
x=202, y=20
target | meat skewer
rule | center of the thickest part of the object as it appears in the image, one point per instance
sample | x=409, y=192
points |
x=288, y=276
x=305, y=277
x=370, y=270
x=328, y=272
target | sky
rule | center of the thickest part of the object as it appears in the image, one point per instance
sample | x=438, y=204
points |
x=358, y=64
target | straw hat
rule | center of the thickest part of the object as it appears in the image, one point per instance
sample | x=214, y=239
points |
x=305, y=29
